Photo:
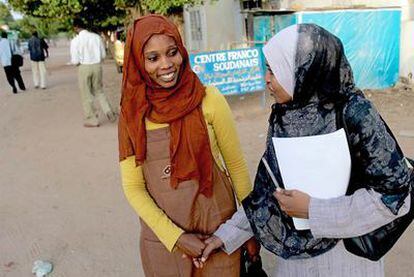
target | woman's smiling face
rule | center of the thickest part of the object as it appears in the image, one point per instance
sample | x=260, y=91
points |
x=162, y=60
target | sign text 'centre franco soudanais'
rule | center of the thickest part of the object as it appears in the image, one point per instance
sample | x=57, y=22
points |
x=232, y=72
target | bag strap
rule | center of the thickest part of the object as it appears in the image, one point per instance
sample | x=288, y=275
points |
x=269, y=170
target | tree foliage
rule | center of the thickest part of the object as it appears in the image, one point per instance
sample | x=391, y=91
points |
x=98, y=14
x=61, y=9
x=156, y=6
x=46, y=27
x=5, y=15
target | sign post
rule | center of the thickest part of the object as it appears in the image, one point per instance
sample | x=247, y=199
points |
x=233, y=72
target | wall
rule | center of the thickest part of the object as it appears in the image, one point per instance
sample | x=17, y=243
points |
x=407, y=37
x=374, y=53
x=407, y=22
x=223, y=25
x=304, y=4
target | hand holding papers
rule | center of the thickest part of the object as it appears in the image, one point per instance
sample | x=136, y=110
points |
x=294, y=203
x=317, y=165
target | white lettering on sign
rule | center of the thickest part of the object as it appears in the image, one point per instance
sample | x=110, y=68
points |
x=236, y=64
x=242, y=54
x=210, y=58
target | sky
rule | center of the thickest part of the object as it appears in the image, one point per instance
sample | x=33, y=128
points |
x=15, y=15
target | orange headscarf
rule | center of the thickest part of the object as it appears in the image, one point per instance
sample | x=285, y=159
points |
x=179, y=106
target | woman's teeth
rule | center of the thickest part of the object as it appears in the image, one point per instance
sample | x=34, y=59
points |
x=167, y=77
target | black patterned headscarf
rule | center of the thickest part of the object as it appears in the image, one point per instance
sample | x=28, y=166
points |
x=322, y=82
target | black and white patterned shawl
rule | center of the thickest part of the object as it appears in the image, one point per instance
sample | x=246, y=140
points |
x=323, y=79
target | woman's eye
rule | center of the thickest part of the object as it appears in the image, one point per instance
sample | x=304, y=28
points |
x=172, y=52
x=268, y=69
x=152, y=58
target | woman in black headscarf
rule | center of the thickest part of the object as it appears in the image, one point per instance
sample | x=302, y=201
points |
x=311, y=79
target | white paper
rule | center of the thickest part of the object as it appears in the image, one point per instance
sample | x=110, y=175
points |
x=318, y=165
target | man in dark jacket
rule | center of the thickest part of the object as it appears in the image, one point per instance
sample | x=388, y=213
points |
x=38, y=49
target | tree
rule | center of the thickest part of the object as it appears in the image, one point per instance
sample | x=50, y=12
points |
x=61, y=9
x=5, y=15
x=164, y=7
x=47, y=28
x=171, y=8
x=96, y=14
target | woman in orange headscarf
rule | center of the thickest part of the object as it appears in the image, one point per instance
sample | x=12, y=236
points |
x=174, y=134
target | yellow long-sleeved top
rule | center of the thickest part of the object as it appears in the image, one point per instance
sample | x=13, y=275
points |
x=224, y=144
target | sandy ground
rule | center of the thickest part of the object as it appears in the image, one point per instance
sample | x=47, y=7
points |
x=60, y=193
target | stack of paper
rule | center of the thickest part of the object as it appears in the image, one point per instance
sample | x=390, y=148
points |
x=318, y=165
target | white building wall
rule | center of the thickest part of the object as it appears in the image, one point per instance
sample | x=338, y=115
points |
x=223, y=25
x=309, y=4
x=407, y=38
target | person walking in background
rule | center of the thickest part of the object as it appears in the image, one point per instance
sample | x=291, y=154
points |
x=38, y=49
x=11, y=69
x=87, y=52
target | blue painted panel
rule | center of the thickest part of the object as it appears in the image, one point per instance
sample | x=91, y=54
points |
x=262, y=28
x=283, y=21
x=371, y=40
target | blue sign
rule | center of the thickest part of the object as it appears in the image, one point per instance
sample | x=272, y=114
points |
x=236, y=71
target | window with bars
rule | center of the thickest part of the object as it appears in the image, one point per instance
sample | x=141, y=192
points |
x=251, y=4
x=196, y=29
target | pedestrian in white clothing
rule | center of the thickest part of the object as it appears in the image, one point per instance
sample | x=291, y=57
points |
x=87, y=52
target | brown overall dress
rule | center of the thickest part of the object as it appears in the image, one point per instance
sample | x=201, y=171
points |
x=191, y=211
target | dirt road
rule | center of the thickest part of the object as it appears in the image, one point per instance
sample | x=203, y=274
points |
x=60, y=193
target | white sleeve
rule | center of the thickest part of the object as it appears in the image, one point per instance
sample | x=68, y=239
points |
x=74, y=54
x=235, y=231
x=351, y=216
x=102, y=48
